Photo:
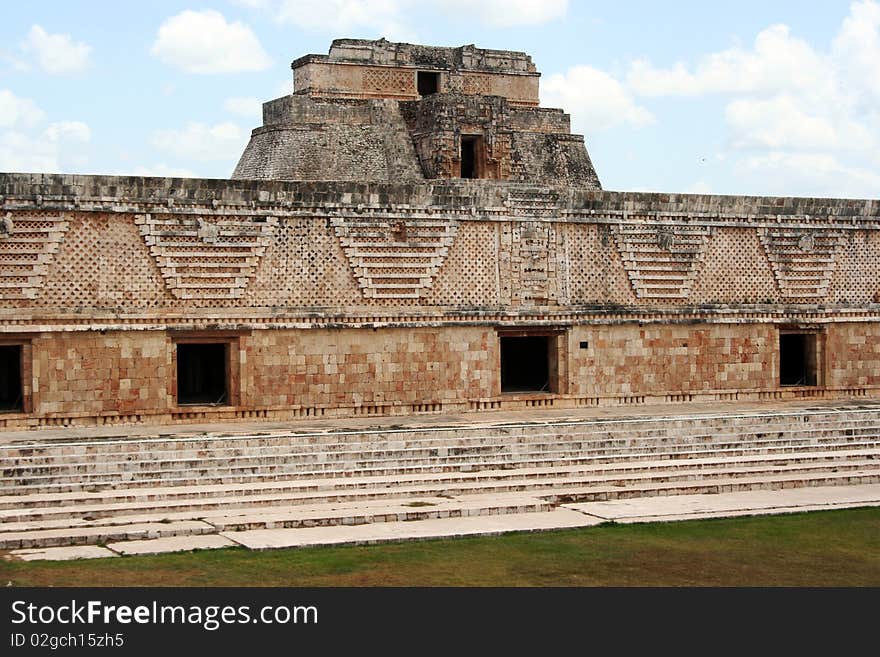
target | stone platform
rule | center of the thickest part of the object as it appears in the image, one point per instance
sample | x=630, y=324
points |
x=88, y=493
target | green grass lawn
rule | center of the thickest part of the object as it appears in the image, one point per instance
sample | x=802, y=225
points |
x=831, y=548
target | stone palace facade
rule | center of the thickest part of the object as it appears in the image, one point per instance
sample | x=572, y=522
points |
x=409, y=232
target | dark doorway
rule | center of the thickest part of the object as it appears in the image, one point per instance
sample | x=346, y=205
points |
x=201, y=373
x=797, y=359
x=11, y=397
x=427, y=83
x=469, y=156
x=525, y=364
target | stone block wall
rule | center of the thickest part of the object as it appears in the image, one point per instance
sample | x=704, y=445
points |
x=352, y=368
x=91, y=373
x=94, y=377
x=519, y=144
x=853, y=354
x=305, y=139
x=656, y=359
x=380, y=69
x=339, y=297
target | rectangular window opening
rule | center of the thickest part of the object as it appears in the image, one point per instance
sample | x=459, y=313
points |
x=470, y=156
x=202, y=373
x=11, y=392
x=427, y=83
x=525, y=364
x=798, y=359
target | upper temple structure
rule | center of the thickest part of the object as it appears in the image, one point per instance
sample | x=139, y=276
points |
x=409, y=232
x=381, y=111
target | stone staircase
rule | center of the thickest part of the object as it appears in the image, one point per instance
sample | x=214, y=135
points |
x=74, y=491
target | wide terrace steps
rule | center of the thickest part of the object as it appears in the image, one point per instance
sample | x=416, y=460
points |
x=94, y=491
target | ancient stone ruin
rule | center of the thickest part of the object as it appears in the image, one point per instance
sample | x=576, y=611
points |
x=410, y=233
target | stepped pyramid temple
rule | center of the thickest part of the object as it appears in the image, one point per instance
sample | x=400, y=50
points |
x=410, y=234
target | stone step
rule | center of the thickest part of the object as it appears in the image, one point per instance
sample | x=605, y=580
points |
x=100, y=535
x=307, y=513
x=199, y=501
x=472, y=505
x=251, y=480
x=130, y=473
x=154, y=449
x=327, y=454
x=678, y=427
x=138, y=531
x=19, y=508
x=322, y=515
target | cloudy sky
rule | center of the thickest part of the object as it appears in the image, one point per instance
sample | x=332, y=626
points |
x=751, y=97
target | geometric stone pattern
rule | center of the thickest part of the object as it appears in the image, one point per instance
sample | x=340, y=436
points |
x=395, y=258
x=475, y=83
x=27, y=247
x=389, y=80
x=595, y=271
x=662, y=260
x=102, y=262
x=802, y=261
x=304, y=266
x=857, y=269
x=735, y=270
x=472, y=258
x=530, y=272
x=206, y=257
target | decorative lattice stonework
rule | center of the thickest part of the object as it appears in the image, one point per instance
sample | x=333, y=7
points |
x=662, y=260
x=803, y=261
x=395, y=258
x=27, y=247
x=389, y=80
x=475, y=83
x=206, y=257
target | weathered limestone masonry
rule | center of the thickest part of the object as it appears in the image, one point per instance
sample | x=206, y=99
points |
x=374, y=111
x=409, y=233
x=339, y=298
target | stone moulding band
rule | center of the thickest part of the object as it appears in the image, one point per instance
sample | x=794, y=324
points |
x=13, y=325
x=469, y=213
x=198, y=414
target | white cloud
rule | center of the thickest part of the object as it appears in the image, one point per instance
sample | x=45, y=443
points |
x=776, y=62
x=856, y=48
x=251, y=108
x=14, y=62
x=21, y=152
x=56, y=53
x=381, y=17
x=807, y=174
x=508, y=13
x=783, y=123
x=394, y=18
x=203, y=42
x=15, y=111
x=793, y=110
x=161, y=170
x=68, y=130
x=198, y=141
x=595, y=100
x=25, y=147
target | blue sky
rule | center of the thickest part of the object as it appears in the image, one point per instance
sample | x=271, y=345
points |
x=778, y=97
